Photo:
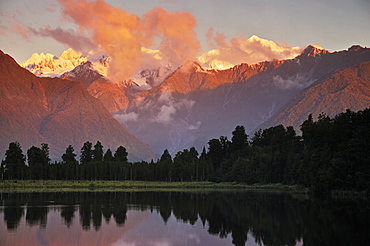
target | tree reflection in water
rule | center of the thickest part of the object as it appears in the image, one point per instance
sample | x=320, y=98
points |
x=271, y=218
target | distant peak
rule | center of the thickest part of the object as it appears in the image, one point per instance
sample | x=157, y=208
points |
x=254, y=38
x=70, y=54
x=355, y=48
x=190, y=67
x=314, y=50
x=317, y=46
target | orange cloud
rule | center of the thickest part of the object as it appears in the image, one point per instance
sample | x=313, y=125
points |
x=241, y=50
x=122, y=34
x=176, y=32
x=21, y=31
x=110, y=28
x=215, y=40
x=12, y=24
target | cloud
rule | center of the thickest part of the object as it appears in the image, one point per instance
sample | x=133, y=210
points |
x=131, y=41
x=21, y=31
x=215, y=40
x=69, y=38
x=123, y=118
x=169, y=107
x=227, y=53
x=12, y=24
x=165, y=114
x=122, y=34
x=293, y=82
x=195, y=127
x=114, y=30
x=176, y=32
x=118, y=33
x=52, y=9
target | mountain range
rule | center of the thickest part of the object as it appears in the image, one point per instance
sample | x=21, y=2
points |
x=179, y=108
x=193, y=105
x=58, y=112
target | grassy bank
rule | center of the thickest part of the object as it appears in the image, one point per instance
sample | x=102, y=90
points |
x=101, y=185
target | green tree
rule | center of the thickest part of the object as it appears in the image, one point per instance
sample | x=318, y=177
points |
x=239, y=142
x=38, y=161
x=108, y=156
x=215, y=153
x=86, y=153
x=121, y=154
x=70, y=164
x=45, y=154
x=165, y=167
x=69, y=156
x=206, y=171
x=14, y=163
x=34, y=156
x=98, y=152
x=2, y=170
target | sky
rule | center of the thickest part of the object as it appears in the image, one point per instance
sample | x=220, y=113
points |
x=179, y=29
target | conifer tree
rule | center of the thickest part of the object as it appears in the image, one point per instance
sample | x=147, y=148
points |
x=121, y=154
x=98, y=152
x=108, y=156
x=86, y=153
x=14, y=163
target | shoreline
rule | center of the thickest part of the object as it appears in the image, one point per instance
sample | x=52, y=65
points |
x=108, y=185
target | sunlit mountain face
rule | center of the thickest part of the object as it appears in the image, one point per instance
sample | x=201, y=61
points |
x=161, y=83
x=234, y=52
x=58, y=112
x=190, y=108
x=94, y=68
x=179, y=107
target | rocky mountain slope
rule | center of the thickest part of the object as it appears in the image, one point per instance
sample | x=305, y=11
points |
x=58, y=112
x=347, y=88
x=193, y=105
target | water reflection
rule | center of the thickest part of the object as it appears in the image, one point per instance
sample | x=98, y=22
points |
x=180, y=218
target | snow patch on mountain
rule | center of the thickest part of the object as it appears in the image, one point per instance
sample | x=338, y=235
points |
x=240, y=50
x=73, y=65
x=48, y=65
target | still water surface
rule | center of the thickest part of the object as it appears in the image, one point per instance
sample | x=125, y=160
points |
x=180, y=218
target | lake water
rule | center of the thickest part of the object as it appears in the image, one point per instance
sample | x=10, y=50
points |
x=180, y=218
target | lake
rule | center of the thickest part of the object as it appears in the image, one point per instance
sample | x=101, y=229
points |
x=181, y=218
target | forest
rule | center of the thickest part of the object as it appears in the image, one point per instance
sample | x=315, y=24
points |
x=327, y=154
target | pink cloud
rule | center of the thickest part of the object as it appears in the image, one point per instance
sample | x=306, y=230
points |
x=122, y=34
x=69, y=38
x=19, y=29
x=240, y=50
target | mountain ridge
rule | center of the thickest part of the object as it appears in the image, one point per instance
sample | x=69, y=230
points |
x=342, y=89
x=58, y=112
x=245, y=95
x=194, y=104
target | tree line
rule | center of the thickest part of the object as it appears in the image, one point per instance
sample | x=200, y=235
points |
x=331, y=153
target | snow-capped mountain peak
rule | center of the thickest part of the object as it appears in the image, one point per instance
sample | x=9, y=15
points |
x=70, y=54
x=240, y=50
x=37, y=59
x=48, y=65
x=314, y=50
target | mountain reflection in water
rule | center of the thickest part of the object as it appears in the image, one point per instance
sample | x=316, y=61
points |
x=180, y=218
